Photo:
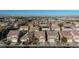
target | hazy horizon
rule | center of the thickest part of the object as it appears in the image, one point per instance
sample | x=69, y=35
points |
x=39, y=12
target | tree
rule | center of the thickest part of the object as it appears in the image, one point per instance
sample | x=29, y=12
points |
x=60, y=25
x=64, y=39
x=8, y=42
x=35, y=40
x=40, y=28
x=73, y=23
x=2, y=30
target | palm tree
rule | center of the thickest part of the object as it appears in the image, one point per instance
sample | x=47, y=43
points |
x=60, y=25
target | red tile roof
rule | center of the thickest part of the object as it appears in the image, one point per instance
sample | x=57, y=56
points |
x=75, y=33
x=65, y=33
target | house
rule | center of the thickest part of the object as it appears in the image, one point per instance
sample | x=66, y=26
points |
x=52, y=37
x=12, y=19
x=13, y=36
x=55, y=28
x=41, y=37
x=2, y=18
x=53, y=23
x=76, y=23
x=68, y=35
x=35, y=23
x=15, y=26
x=75, y=35
x=36, y=28
x=45, y=28
x=67, y=27
x=69, y=24
x=76, y=28
x=51, y=19
x=23, y=28
x=3, y=24
x=43, y=22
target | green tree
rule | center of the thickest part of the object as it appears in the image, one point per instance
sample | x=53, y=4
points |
x=60, y=25
x=0, y=29
x=8, y=42
x=35, y=40
x=64, y=39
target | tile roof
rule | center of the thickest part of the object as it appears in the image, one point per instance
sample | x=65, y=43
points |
x=39, y=33
x=13, y=32
x=52, y=33
x=65, y=33
x=75, y=33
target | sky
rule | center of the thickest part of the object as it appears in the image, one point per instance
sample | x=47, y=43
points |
x=39, y=12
